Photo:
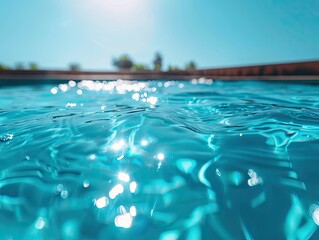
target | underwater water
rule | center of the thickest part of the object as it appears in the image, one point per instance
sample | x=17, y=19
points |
x=159, y=160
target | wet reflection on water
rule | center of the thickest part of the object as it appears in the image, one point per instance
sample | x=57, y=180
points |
x=159, y=160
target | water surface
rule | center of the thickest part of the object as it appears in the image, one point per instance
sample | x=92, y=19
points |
x=159, y=160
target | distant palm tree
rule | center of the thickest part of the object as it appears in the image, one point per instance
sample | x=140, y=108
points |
x=158, y=62
x=124, y=62
x=191, y=65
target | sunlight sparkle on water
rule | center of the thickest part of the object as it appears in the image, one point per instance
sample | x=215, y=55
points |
x=116, y=190
x=101, y=202
x=64, y=194
x=118, y=145
x=136, y=96
x=86, y=183
x=72, y=83
x=133, y=211
x=54, y=90
x=255, y=179
x=160, y=156
x=64, y=87
x=124, y=221
x=6, y=137
x=70, y=105
x=120, y=157
x=123, y=177
x=91, y=157
x=314, y=211
x=133, y=186
x=103, y=107
x=152, y=100
x=144, y=143
x=40, y=223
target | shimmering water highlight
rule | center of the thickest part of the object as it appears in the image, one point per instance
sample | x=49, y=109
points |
x=159, y=160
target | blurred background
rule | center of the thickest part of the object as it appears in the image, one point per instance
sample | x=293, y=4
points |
x=149, y=34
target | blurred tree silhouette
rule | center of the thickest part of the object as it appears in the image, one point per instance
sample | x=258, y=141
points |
x=4, y=67
x=158, y=62
x=33, y=66
x=173, y=68
x=124, y=62
x=74, y=67
x=19, y=66
x=191, y=65
x=142, y=67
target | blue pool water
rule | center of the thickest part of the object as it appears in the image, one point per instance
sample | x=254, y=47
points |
x=159, y=160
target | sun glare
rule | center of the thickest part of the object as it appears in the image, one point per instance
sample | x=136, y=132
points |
x=120, y=7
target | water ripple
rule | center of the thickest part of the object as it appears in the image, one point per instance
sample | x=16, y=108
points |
x=167, y=159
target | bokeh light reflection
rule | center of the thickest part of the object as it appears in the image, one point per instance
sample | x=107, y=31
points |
x=40, y=223
x=124, y=221
x=123, y=177
x=86, y=183
x=144, y=143
x=160, y=156
x=54, y=90
x=314, y=212
x=116, y=190
x=133, y=186
x=254, y=178
x=118, y=145
x=101, y=202
x=133, y=211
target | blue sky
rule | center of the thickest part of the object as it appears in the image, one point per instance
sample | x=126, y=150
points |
x=213, y=33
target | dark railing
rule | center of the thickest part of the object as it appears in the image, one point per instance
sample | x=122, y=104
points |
x=286, y=71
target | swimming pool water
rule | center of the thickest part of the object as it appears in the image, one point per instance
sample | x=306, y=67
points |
x=159, y=160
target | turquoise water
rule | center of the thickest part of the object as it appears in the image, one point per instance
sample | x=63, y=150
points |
x=159, y=160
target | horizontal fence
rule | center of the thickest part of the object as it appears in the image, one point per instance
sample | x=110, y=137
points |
x=286, y=71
